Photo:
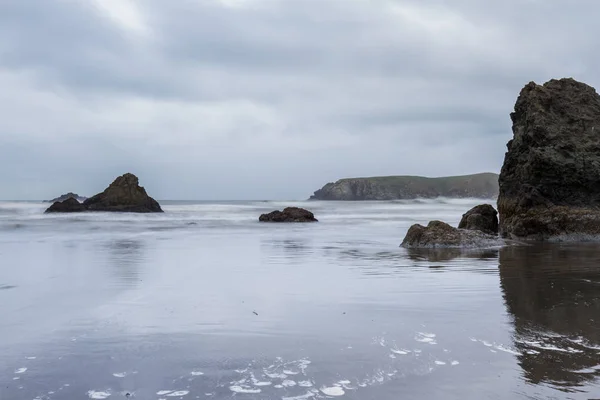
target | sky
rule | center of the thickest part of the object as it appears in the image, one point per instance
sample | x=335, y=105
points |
x=270, y=99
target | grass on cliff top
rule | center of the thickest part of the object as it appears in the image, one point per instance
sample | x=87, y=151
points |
x=439, y=182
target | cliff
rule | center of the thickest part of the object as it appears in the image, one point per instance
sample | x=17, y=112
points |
x=484, y=185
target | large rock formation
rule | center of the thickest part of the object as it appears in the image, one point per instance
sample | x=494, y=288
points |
x=65, y=197
x=483, y=186
x=550, y=180
x=289, y=214
x=71, y=204
x=482, y=218
x=438, y=234
x=123, y=195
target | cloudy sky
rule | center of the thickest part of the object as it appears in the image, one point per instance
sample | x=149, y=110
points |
x=270, y=99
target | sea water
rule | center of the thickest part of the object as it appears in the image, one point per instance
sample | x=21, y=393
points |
x=205, y=302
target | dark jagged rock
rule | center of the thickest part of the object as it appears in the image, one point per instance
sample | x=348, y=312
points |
x=289, y=214
x=123, y=195
x=69, y=205
x=438, y=234
x=483, y=186
x=482, y=218
x=65, y=197
x=550, y=180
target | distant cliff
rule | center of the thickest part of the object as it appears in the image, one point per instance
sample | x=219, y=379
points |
x=483, y=185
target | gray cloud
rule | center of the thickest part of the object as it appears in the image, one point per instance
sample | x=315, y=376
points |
x=269, y=98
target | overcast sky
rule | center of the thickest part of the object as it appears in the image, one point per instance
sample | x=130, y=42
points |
x=270, y=99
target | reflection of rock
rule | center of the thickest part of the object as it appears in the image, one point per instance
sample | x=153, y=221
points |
x=549, y=187
x=67, y=206
x=126, y=256
x=440, y=234
x=447, y=254
x=289, y=214
x=482, y=218
x=553, y=293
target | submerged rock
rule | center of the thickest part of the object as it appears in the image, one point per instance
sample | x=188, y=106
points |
x=289, y=214
x=67, y=206
x=550, y=180
x=438, y=234
x=482, y=218
x=123, y=195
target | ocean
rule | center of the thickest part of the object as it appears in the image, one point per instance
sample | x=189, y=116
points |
x=205, y=302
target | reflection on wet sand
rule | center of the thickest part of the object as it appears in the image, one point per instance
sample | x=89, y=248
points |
x=447, y=254
x=553, y=294
x=126, y=257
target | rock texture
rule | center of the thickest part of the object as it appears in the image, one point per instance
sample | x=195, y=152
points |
x=550, y=180
x=71, y=204
x=123, y=195
x=410, y=187
x=289, y=214
x=65, y=197
x=482, y=218
x=438, y=234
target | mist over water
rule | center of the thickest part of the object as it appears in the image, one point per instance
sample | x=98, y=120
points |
x=205, y=302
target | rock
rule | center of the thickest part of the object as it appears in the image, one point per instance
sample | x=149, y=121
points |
x=482, y=218
x=123, y=195
x=289, y=214
x=550, y=180
x=67, y=206
x=438, y=234
x=483, y=185
x=65, y=197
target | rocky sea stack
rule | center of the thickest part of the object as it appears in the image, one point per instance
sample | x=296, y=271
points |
x=477, y=229
x=438, y=234
x=289, y=214
x=550, y=180
x=71, y=204
x=123, y=195
x=482, y=218
x=65, y=197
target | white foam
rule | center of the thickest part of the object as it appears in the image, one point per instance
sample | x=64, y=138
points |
x=16, y=378
x=440, y=363
x=275, y=375
x=31, y=358
x=278, y=387
x=179, y=393
x=196, y=373
x=305, y=384
x=288, y=383
x=289, y=372
x=485, y=343
x=400, y=351
x=507, y=350
x=425, y=337
x=308, y=395
x=454, y=362
x=256, y=382
x=92, y=394
x=20, y=370
x=590, y=370
x=163, y=392
x=334, y=391
x=244, y=389
x=120, y=374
